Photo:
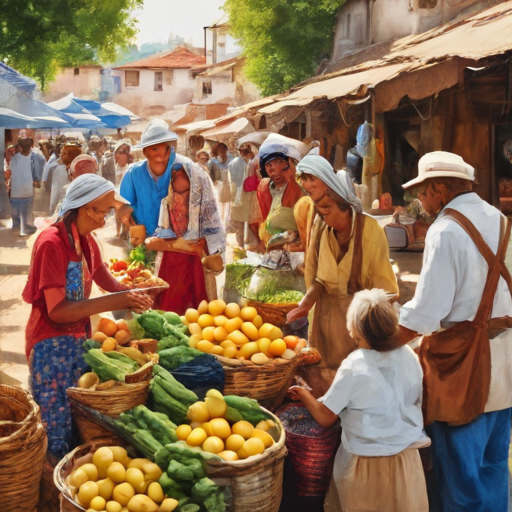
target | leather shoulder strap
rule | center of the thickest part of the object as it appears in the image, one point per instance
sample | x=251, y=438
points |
x=354, y=281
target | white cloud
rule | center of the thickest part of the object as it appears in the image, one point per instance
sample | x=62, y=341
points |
x=183, y=17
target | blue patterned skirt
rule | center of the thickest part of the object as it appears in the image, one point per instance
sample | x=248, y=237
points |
x=55, y=365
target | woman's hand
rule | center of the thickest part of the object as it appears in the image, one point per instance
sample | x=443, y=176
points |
x=297, y=392
x=136, y=301
x=300, y=311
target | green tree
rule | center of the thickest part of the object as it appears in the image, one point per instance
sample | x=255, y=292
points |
x=37, y=37
x=283, y=40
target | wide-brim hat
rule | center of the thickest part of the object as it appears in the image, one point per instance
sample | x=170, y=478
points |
x=156, y=132
x=441, y=164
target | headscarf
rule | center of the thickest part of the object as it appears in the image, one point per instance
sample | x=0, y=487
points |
x=340, y=182
x=84, y=189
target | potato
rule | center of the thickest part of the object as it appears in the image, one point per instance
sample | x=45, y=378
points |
x=120, y=455
x=142, y=503
x=155, y=492
x=116, y=472
x=168, y=505
x=113, y=506
x=135, y=477
x=87, y=492
x=91, y=470
x=124, y=492
x=102, y=459
x=259, y=358
x=98, y=503
x=78, y=478
x=151, y=471
x=138, y=463
x=87, y=380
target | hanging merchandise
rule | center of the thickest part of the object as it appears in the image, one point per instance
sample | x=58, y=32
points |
x=364, y=138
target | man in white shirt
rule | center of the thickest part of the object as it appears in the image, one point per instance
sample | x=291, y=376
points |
x=469, y=458
x=26, y=172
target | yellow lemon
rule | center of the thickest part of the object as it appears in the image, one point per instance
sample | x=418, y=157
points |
x=234, y=442
x=98, y=503
x=232, y=310
x=263, y=345
x=213, y=444
x=249, y=349
x=264, y=330
x=197, y=437
x=267, y=439
x=203, y=307
x=220, y=320
x=228, y=455
x=124, y=492
x=220, y=428
x=277, y=347
x=192, y=315
x=230, y=352
x=217, y=351
x=195, y=329
x=183, y=431
x=184, y=321
x=253, y=446
x=194, y=340
x=275, y=334
x=238, y=338
x=208, y=333
x=249, y=329
x=220, y=334
x=243, y=428
x=257, y=321
x=205, y=320
x=233, y=324
x=88, y=491
x=216, y=406
x=259, y=358
x=198, y=412
x=227, y=343
x=216, y=307
x=248, y=314
x=205, y=346
x=262, y=425
x=207, y=428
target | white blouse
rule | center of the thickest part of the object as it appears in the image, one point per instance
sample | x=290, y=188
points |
x=378, y=398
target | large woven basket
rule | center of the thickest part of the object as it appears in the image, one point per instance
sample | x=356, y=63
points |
x=254, y=485
x=23, y=444
x=312, y=458
x=267, y=383
x=111, y=402
x=273, y=313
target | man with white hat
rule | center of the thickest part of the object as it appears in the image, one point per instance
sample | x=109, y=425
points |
x=463, y=308
x=279, y=192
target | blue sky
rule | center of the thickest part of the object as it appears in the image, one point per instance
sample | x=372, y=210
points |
x=184, y=17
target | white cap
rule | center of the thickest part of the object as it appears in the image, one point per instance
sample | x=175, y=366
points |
x=441, y=164
x=156, y=132
x=276, y=143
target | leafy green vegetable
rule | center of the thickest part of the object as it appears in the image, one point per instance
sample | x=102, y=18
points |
x=190, y=507
x=171, y=488
x=204, y=488
x=123, y=359
x=159, y=428
x=104, y=367
x=89, y=344
x=179, y=472
x=173, y=387
x=152, y=323
x=175, y=410
x=136, y=329
x=172, y=318
x=238, y=277
x=171, y=358
x=247, y=407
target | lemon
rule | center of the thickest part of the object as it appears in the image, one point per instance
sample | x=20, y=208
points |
x=203, y=307
x=257, y=321
x=195, y=329
x=197, y=437
x=206, y=426
x=275, y=333
x=216, y=307
x=264, y=330
x=277, y=347
x=98, y=503
x=217, y=351
x=216, y=406
x=248, y=314
x=183, y=431
x=205, y=320
x=220, y=428
x=79, y=477
x=220, y=320
x=228, y=455
x=263, y=345
x=259, y=358
x=233, y=324
x=232, y=310
x=230, y=352
x=87, y=492
x=208, y=333
x=249, y=349
x=124, y=492
x=116, y=472
x=238, y=338
x=198, y=412
x=243, y=428
x=267, y=439
x=205, y=346
x=220, y=334
x=253, y=446
x=213, y=444
x=249, y=329
x=234, y=442
x=262, y=425
x=192, y=315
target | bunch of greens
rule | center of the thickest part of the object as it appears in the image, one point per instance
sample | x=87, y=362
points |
x=238, y=277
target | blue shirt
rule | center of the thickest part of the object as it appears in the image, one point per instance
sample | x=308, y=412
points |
x=145, y=194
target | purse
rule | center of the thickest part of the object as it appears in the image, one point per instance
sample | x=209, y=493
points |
x=251, y=183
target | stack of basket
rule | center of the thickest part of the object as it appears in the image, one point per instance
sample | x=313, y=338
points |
x=23, y=446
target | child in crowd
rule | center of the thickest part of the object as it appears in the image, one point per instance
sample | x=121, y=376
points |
x=377, y=394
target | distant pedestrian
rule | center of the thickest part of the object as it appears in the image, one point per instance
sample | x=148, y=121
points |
x=219, y=173
x=203, y=158
x=61, y=176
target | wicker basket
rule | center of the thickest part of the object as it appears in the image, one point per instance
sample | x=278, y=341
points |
x=273, y=313
x=111, y=402
x=255, y=485
x=267, y=383
x=312, y=458
x=23, y=444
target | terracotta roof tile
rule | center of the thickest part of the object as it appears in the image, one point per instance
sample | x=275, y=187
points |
x=181, y=58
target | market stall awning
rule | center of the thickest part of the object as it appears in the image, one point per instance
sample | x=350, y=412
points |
x=191, y=128
x=241, y=126
x=14, y=120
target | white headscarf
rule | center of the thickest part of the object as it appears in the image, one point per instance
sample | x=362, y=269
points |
x=340, y=182
x=84, y=189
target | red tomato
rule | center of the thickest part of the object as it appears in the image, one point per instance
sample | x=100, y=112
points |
x=119, y=265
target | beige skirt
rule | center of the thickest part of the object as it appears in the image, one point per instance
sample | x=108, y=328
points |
x=377, y=484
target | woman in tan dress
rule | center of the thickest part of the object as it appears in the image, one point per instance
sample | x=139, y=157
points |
x=347, y=252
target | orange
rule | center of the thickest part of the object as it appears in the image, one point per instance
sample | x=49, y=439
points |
x=107, y=326
x=291, y=341
x=122, y=326
x=277, y=347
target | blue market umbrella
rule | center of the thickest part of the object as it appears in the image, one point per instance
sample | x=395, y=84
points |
x=14, y=120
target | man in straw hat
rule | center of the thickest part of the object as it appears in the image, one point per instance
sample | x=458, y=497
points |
x=463, y=308
x=170, y=192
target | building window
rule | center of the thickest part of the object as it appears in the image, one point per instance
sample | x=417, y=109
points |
x=207, y=88
x=168, y=77
x=76, y=71
x=159, y=78
x=131, y=78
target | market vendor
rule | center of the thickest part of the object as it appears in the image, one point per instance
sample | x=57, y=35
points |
x=189, y=217
x=190, y=240
x=278, y=194
x=65, y=261
x=464, y=311
x=348, y=251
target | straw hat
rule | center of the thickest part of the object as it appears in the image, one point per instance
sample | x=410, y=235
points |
x=441, y=164
x=156, y=132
